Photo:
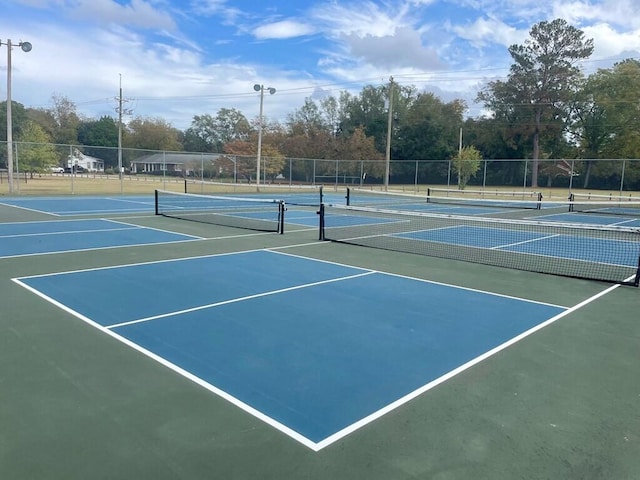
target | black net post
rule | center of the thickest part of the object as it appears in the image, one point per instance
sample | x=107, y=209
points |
x=156, y=202
x=281, y=209
x=321, y=222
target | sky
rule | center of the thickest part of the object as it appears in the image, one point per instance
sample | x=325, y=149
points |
x=174, y=59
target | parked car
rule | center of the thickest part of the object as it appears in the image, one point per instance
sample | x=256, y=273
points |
x=76, y=169
x=57, y=170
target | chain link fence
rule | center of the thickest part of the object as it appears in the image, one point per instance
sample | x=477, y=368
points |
x=120, y=167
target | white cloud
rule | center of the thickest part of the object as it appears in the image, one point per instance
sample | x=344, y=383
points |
x=361, y=19
x=374, y=40
x=283, y=29
x=623, y=13
x=138, y=13
x=382, y=51
x=208, y=7
x=523, y=11
x=220, y=8
x=490, y=30
x=159, y=79
x=611, y=43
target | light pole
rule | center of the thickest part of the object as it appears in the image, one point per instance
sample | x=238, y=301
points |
x=261, y=89
x=122, y=111
x=120, y=136
x=389, y=128
x=26, y=47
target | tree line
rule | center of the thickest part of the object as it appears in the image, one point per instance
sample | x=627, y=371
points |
x=545, y=108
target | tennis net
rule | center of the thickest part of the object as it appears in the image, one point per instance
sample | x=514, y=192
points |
x=261, y=214
x=609, y=254
x=486, y=198
x=372, y=198
x=604, y=204
x=292, y=194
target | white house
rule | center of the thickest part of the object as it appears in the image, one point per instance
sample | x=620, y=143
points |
x=183, y=163
x=86, y=162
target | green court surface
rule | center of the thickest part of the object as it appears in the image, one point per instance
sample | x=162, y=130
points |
x=75, y=403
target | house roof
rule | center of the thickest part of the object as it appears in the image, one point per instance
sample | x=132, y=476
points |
x=176, y=157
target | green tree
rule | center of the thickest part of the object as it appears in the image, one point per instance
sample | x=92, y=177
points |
x=18, y=121
x=44, y=118
x=307, y=119
x=332, y=109
x=466, y=164
x=272, y=162
x=148, y=133
x=35, y=153
x=430, y=130
x=308, y=134
x=541, y=82
x=362, y=150
x=209, y=134
x=607, y=120
x=94, y=134
x=67, y=120
x=427, y=130
x=367, y=110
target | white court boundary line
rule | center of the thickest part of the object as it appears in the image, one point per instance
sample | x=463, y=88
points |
x=125, y=226
x=70, y=213
x=44, y=212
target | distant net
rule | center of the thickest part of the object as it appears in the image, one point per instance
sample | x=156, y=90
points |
x=292, y=194
x=609, y=254
x=373, y=198
x=261, y=214
x=605, y=204
x=486, y=198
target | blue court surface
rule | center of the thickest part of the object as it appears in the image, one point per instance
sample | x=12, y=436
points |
x=29, y=238
x=83, y=205
x=307, y=218
x=315, y=349
x=611, y=252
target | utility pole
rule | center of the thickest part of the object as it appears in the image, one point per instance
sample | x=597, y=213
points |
x=389, y=128
x=459, y=157
x=121, y=111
